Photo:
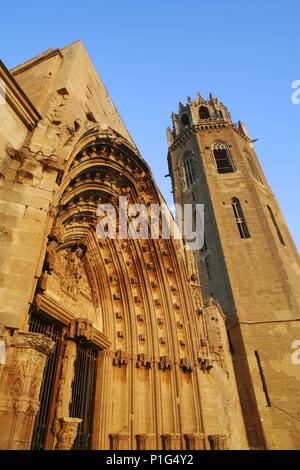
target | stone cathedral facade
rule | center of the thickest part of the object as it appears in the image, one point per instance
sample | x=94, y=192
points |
x=136, y=343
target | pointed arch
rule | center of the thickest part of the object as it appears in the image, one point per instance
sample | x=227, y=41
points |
x=223, y=159
x=204, y=112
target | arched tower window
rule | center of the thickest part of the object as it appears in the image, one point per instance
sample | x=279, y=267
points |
x=276, y=226
x=185, y=120
x=204, y=112
x=240, y=218
x=222, y=158
x=189, y=174
x=253, y=169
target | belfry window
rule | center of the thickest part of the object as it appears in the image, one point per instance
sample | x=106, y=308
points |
x=189, y=174
x=223, y=159
x=253, y=169
x=240, y=219
x=204, y=112
x=185, y=120
x=276, y=226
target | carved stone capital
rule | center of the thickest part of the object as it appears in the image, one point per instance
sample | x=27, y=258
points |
x=119, y=441
x=171, y=441
x=67, y=433
x=37, y=341
x=20, y=385
x=145, y=441
x=218, y=442
x=194, y=441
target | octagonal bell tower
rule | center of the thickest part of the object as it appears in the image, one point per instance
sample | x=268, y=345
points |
x=248, y=262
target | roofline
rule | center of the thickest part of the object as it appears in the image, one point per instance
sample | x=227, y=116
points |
x=36, y=60
x=18, y=100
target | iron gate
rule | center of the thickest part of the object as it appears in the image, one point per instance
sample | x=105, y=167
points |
x=83, y=394
x=40, y=325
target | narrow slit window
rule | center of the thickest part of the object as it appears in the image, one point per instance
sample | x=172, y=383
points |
x=262, y=378
x=253, y=169
x=207, y=268
x=240, y=219
x=189, y=171
x=279, y=234
x=222, y=158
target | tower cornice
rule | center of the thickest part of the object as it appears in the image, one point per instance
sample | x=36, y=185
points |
x=212, y=124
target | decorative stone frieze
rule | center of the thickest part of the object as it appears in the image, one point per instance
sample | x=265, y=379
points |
x=32, y=164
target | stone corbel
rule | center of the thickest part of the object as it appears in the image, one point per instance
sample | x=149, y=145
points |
x=67, y=433
x=194, y=441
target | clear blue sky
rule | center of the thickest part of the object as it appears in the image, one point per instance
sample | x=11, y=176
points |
x=151, y=54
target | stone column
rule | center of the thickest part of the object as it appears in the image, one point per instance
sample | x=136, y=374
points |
x=65, y=428
x=20, y=383
x=65, y=383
